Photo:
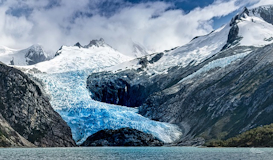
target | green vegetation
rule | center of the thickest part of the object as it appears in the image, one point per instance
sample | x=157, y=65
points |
x=258, y=137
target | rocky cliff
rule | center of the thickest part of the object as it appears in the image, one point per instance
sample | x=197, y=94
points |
x=27, y=113
x=122, y=137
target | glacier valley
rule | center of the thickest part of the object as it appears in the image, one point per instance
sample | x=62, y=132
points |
x=71, y=99
x=64, y=79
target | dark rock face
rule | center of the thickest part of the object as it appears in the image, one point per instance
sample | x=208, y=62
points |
x=122, y=137
x=10, y=138
x=97, y=43
x=132, y=87
x=265, y=12
x=118, y=90
x=221, y=103
x=78, y=45
x=233, y=35
x=26, y=109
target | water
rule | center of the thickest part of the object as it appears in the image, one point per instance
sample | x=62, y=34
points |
x=131, y=153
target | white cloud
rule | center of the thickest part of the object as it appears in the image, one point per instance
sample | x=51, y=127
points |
x=262, y=2
x=152, y=24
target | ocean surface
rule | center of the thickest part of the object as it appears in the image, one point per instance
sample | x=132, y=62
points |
x=131, y=153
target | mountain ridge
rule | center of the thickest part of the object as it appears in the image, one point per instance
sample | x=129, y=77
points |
x=216, y=86
x=170, y=86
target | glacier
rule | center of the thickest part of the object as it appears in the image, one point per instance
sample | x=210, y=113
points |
x=70, y=98
x=64, y=80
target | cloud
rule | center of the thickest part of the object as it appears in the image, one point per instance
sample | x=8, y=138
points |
x=155, y=25
x=261, y=3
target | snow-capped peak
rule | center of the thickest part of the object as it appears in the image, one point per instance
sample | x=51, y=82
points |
x=78, y=45
x=35, y=49
x=72, y=58
x=245, y=29
x=264, y=12
x=255, y=26
x=239, y=17
x=93, y=44
x=35, y=54
x=29, y=56
x=96, y=43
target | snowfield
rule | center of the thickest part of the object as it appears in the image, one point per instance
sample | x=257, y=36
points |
x=255, y=32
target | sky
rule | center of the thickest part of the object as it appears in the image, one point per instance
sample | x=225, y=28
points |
x=153, y=24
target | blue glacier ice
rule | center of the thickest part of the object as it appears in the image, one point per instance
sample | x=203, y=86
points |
x=70, y=98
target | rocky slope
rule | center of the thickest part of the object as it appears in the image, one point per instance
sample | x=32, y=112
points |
x=217, y=86
x=257, y=137
x=10, y=138
x=26, y=112
x=220, y=103
x=122, y=137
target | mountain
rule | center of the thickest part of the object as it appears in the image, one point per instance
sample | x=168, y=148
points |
x=64, y=80
x=214, y=87
x=97, y=54
x=32, y=55
x=26, y=116
x=264, y=12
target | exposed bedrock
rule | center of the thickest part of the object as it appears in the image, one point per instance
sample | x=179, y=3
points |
x=122, y=137
x=28, y=111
